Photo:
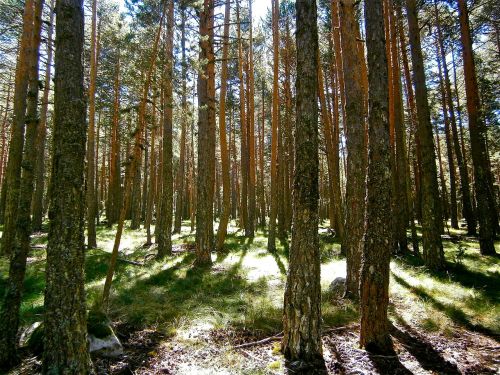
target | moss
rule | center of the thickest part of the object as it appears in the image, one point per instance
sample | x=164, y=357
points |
x=98, y=324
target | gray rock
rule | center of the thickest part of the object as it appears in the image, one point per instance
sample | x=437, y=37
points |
x=337, y=286
x=108, y=346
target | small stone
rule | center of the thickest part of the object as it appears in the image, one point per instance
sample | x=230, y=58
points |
x=108, y=346
x=337, y=286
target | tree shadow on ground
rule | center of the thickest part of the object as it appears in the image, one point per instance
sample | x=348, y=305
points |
x=183, y=292
x=488, y=282
x=454, y=313
x=428, y=357
x=388, y=364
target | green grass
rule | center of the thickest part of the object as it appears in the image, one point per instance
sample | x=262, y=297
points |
x=244, y=288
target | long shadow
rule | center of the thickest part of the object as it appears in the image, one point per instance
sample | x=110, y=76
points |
x=182, y=292
x=489, y=283
x=428, y=357
x=455, y=314
x=388, y=365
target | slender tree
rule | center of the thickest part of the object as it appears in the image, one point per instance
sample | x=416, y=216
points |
x=91, y=197
x=21, y=245
x=431, y=207
x=224, y=155
x=271, y=239
x=164, y=234
x=486, y=210
x=13, y=171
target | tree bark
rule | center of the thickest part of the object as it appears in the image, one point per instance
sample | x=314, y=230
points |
x=65, y=323
x=432, y=223
x=91, y=198
x=224, y=155
x=302, y=305
x=13, y=171
x=164, y=234
x=273, y=203
x=486, y=210
x=9, y=322
x=374, y=280
x=355, y=140
x=206, y=138
x=38, y=210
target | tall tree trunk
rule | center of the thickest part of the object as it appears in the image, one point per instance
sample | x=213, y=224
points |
x=401, y=197
x=243, y=128
x=251, y=132
x=133, y=161
x=206, y=138
x=9, y=322
x=486, y=210
x=65, y=324
x=152, y=189
x=432, y=223
x=355, y=140
x=13, y=171
x=224, y=155
x=271, y=239
x=337, y=88
x=467, y=210
x=38, y=211
x=374, y=279
x=164, y=234
x=115, y=194
x=91, y=198
x=179, y=204
x=262, y=188
x=302, y=305
x=449, y=147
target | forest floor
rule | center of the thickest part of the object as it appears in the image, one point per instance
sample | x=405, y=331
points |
x=175, y=319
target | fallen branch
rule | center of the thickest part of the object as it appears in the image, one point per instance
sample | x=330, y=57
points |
x=277, y=337
x=131, y=262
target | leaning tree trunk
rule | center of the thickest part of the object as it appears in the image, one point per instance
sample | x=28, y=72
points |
x=374, y=280
x=65, y=325
x=302, y=306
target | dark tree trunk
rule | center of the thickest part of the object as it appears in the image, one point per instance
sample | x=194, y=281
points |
x=65, y=325
x=9, y=322
x=355, y=140
x=38, y=209
x=432, y=223
x=13, y=171
x=164, y=234
x=91, y=195
x=486, y=210
x=302, y=306
x=374, y=282
x=206, y=138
